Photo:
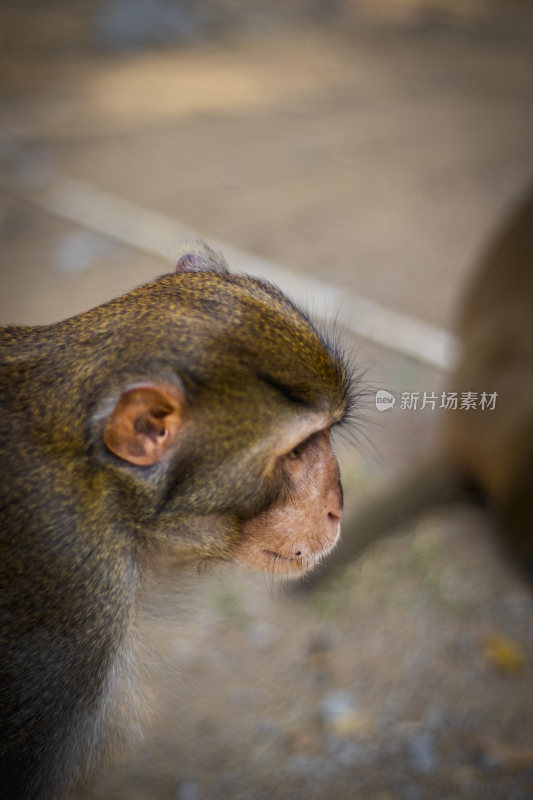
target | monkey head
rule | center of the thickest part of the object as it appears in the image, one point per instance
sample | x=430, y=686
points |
x=226, y=434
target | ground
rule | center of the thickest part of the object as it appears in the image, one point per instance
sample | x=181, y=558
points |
x=377, y=161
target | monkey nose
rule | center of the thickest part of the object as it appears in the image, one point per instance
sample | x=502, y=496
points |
x=333, y=526
x=333, y=518
x=335, y=502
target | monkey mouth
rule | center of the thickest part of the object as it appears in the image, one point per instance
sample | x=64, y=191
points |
x=286, y=559
x=301, y=564
x=297, y=565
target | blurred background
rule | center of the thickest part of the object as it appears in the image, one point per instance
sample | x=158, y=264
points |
x=369, y=147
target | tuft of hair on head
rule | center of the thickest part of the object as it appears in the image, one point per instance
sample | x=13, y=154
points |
x=197, y=256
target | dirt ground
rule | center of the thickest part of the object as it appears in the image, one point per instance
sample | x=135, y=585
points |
x=378, y=161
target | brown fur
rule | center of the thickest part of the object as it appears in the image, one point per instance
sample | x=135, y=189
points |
x=236, y=385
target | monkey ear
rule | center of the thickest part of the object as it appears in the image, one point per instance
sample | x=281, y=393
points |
x=145, y=422
x=199, y=257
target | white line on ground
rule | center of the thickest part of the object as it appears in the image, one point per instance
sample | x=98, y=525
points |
x=159, y=235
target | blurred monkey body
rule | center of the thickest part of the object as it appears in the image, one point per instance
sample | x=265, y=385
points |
x=187, y=421
x=481, y=454
x=494, y=450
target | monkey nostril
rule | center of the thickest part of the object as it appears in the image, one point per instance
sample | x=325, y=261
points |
x=334, y=517
x=298, y=553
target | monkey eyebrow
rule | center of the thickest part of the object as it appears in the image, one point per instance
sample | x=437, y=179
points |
x=308, y=402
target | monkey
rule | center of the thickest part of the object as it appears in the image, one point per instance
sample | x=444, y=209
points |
x=186, y=422
x=493, y=450
x=481, y=456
